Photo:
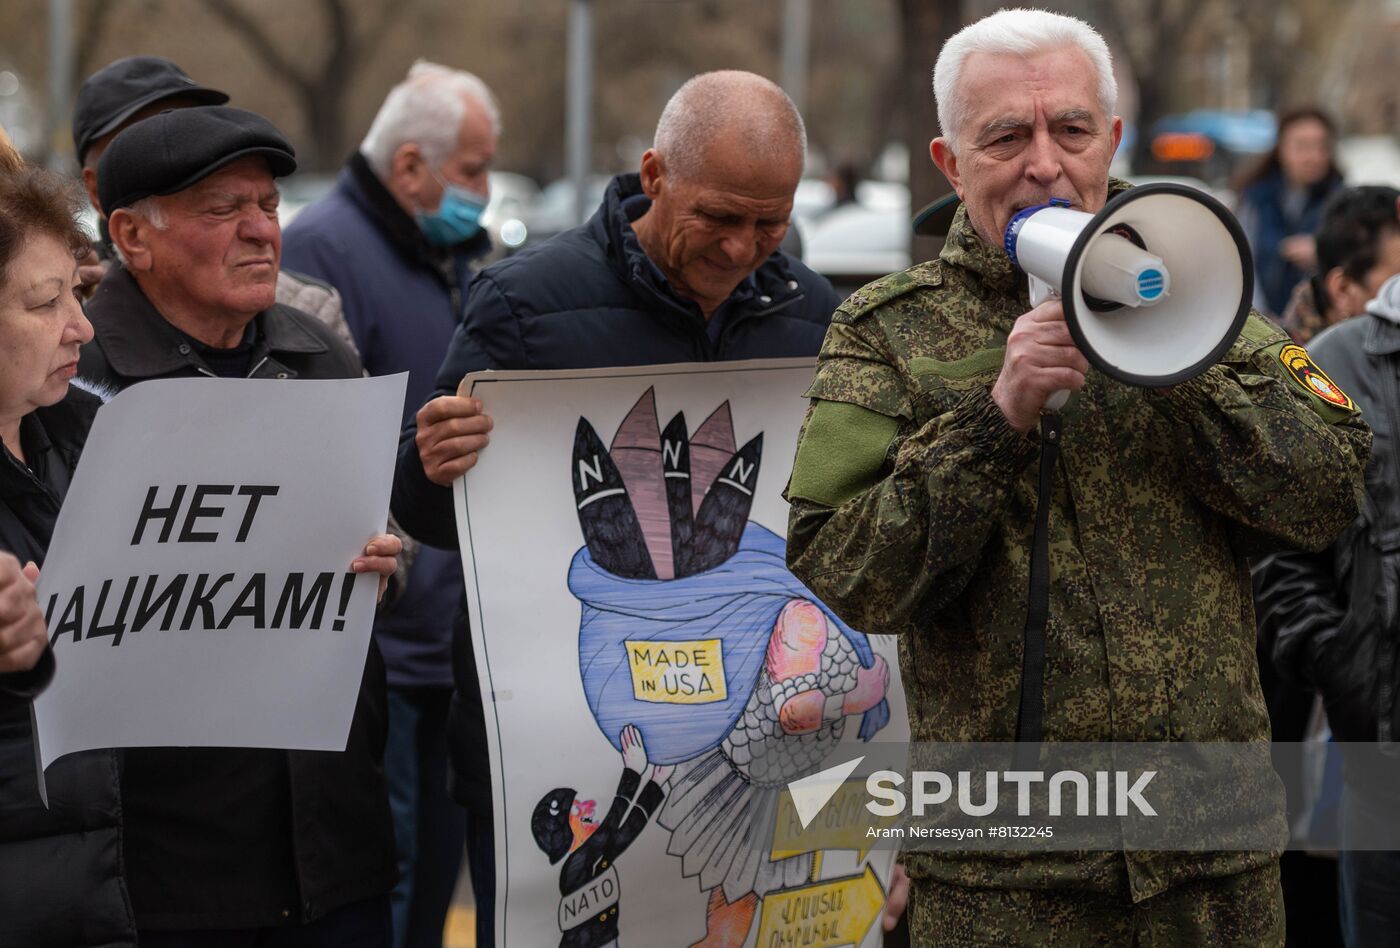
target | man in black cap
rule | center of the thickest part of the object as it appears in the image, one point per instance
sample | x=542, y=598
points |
x=224, y=845
x=124, y=92
x=136, y=87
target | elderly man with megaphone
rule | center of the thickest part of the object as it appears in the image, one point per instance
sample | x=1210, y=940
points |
x=1192, y=435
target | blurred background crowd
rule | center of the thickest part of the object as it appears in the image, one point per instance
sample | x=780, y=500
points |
x=580, y=83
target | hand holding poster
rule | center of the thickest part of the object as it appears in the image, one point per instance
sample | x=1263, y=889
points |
x=655, y=678
x=197, y=588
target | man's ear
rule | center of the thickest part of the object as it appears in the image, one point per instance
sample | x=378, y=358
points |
x=131, y=235
x=653, y=173
x=408, y=171
x=90, y=186
x=1339, y=289
x=942, y=154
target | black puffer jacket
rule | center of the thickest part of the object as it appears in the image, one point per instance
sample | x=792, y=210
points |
x=1330, y=616
x=61, y=882
x=245, y=837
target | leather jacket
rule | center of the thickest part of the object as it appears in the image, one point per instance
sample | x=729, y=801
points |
x=1330, y=617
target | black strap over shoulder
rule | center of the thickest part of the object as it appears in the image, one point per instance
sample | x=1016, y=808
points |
x=1030, y=719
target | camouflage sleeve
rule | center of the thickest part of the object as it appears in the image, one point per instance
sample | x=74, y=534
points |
x=893, y=498
x=1267, y=440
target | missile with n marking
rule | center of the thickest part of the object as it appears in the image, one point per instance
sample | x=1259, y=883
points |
x=610, y=526
x=725, y=510
x=675, y=462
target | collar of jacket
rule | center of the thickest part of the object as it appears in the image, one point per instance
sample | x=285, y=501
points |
x=1271, y=188
x=57, y=431
x=776, y=285
x=991, y=265
x=401, y=230
x=139, y=343
x=16, y=479
x=1383, y=336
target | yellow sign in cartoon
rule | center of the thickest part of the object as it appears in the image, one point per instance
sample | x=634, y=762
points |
x=822, y=914
x=677, y=672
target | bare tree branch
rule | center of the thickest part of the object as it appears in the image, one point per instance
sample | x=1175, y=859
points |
x=383, y=18
x=96, y=15
x=261, y=44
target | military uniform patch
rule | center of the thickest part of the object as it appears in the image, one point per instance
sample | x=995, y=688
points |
x=1301, y=366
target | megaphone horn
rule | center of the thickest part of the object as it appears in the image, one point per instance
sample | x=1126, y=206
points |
x=1156, y=286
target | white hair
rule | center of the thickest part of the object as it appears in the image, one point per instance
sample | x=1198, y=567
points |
x=426, y=109
x=151, y=210
x=716, y=101
x=1019, y=32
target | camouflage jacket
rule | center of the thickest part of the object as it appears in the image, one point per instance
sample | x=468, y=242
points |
x=913, y=504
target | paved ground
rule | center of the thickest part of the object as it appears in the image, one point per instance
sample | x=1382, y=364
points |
x=460, y=931
x=461, y=928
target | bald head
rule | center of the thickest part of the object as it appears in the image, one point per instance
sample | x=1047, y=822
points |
x=729, y=109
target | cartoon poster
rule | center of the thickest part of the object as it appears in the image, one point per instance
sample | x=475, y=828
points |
x=655, y=677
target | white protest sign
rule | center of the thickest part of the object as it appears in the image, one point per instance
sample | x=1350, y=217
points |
x=623, y=542
x=197, y=587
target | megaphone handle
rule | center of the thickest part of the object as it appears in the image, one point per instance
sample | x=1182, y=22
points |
x=1041, y=291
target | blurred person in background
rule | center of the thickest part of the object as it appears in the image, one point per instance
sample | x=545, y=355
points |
x=61, y=881
x=1330, y=619
x=1358, y=249
x=397, y=237
x=1281, y=202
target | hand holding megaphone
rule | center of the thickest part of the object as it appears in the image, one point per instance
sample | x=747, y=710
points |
x=1041, y=360
x=1154, y=287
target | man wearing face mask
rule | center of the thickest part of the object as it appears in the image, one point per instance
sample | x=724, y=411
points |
x=397, y=237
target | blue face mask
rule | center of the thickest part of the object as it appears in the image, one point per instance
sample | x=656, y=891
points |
x=457, y=219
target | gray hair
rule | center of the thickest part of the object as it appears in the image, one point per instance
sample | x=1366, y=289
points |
x=149, y=208
x=1017, y=32
x=426, y=109
x=713, y=102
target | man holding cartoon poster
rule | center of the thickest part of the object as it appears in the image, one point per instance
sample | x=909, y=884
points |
x=680, y=264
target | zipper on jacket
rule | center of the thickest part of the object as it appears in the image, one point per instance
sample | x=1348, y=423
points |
x=745, y=317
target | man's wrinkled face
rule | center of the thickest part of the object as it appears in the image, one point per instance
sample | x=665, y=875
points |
x=716, y=225
x=222, y=244
x=469, y=164
x=1034, y=130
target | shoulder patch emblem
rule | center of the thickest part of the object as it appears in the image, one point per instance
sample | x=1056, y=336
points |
x=1301, y=366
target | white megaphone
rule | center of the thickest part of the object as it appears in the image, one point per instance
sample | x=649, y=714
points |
x=1156, y=286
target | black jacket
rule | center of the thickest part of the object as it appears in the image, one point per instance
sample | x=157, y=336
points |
x=231, y=837
x=589, y=298
x=1326, y=616
x=61, y=882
